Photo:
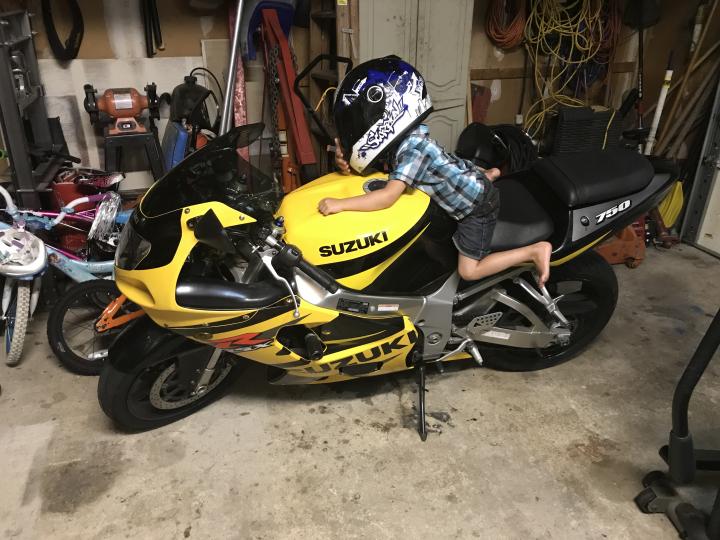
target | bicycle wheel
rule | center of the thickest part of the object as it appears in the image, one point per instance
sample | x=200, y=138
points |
x=16, y=322
x=72, y=331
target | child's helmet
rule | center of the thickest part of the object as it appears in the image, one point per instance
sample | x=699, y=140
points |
x=375, y=105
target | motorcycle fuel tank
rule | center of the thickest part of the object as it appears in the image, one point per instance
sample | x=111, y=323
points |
x=355, y=247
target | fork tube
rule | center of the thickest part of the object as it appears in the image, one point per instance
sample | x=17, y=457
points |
x=35, y=295
x=7, y=294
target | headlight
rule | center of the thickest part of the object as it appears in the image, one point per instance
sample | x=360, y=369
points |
x=132, y=249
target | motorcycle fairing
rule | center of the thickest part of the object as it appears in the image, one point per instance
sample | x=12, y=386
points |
x=381, y=350
x=149, y=287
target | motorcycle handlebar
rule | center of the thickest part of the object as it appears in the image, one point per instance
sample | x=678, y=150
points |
x=322, y=277
x=290, y=256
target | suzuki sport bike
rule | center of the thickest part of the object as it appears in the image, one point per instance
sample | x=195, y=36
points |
x=224, y=268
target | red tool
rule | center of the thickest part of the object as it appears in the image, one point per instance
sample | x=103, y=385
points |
x=298, y=131
x=627, y=246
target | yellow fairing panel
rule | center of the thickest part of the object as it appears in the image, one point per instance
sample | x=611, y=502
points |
x=388, y=355
x=309, y=230
x=348, y=236
x=154, y=289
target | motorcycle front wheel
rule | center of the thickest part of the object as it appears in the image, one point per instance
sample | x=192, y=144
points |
x=590, y=291
x=149, y=378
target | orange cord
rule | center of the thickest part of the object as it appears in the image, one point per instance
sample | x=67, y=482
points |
x=505, y=22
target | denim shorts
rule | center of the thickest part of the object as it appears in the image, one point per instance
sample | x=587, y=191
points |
x=475, y=231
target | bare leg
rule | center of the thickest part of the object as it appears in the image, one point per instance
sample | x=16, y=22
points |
x=538, y=253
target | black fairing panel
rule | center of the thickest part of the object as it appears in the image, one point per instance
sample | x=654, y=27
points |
x=427, y=262
x=218, y=294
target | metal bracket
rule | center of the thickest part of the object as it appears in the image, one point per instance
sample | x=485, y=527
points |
x=539, y=335
x=544, y=298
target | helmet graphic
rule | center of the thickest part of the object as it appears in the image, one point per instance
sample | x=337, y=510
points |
x=376, y=104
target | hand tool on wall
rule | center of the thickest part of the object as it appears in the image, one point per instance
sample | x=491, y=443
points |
x=151, y=26
x=68, y=50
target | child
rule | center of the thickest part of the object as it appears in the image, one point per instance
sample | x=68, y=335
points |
x=462, y=189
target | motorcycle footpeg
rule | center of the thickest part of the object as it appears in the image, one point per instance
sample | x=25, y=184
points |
x=483, y=323
x=472, y=348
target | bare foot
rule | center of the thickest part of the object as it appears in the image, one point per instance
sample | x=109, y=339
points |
x=541, y=258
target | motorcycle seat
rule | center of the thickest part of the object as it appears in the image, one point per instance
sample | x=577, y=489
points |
x=521, y=221
x=594, y=176
x=218, y=294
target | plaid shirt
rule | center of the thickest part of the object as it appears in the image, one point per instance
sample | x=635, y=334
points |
x=457, y=185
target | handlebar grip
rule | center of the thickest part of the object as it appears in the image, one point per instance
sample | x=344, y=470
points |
x=322, y=277
x=97, y=198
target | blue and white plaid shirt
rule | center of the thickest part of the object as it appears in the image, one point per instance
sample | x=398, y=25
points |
x=456, y=184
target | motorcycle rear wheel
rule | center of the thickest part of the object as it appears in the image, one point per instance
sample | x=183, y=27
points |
x=588, y=309
x=149, y=393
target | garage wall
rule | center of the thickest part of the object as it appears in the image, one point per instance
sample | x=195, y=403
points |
x=113, y=28
x=671, y=33
x=112, y=54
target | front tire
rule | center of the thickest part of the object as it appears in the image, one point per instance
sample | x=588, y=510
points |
x=141, y=385
x=16, y=322
x=588, y=309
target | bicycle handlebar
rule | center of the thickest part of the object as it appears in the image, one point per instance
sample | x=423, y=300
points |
x=68, y=208
x=10, y=207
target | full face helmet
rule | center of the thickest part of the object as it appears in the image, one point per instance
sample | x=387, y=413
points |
x=375, y=105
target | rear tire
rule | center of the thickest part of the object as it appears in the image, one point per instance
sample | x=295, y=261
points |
x=16, y=322
x=588, y=310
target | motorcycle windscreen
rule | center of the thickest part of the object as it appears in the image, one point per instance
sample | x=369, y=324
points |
x=217, y=172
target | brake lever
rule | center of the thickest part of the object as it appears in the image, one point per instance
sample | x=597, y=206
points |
x=267, y=258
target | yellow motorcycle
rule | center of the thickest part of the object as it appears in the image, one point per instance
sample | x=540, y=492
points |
x=226, y=268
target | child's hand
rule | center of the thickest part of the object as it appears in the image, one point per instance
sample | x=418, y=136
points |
x=340, y=159
x=492, y=174
x=330, y=206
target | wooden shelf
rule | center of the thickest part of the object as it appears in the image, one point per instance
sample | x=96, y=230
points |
x=485, y=74
x=324, y=15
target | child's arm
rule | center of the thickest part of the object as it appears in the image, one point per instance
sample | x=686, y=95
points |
x=375, y=200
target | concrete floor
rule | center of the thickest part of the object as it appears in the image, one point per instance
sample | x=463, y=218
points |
x=553, y=454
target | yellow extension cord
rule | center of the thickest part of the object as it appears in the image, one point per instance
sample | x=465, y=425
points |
x=672, y=205
x=550, y=23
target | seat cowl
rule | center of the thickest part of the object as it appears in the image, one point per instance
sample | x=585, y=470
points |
x=594, y=176
x=218, y=294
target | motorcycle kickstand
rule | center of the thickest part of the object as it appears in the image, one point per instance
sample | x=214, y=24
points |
x=422, y=425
